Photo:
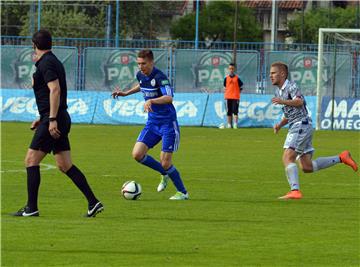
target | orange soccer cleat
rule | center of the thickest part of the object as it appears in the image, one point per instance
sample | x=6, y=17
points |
x=295, y=194
x=346, y=158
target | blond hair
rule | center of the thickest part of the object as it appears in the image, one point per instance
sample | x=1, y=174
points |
x=281, y=66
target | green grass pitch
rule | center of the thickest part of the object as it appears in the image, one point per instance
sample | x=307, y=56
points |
x=233, y=218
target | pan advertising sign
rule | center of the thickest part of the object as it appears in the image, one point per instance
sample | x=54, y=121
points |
x=18, y=66
x=107, y=68
x=120, y=69
x=210, y=71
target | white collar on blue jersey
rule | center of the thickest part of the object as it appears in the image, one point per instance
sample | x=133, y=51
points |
x=285, y=84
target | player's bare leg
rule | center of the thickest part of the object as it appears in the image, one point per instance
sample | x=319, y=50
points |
x=236, y=119
x=229, y=121
x=139, y=151
x=309, y=165
x=305, y=162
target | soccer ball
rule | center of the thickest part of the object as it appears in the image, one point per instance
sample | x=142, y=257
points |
x=131, y=190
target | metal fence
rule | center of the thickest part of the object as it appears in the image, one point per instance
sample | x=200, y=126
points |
x=195, y=70
x=143, y=43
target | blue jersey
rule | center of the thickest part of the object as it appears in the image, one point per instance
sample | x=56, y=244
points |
x=154, y=86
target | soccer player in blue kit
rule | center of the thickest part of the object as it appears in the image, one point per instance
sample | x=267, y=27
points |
x=161, y=125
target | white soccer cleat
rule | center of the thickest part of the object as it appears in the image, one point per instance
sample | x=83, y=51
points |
x=180, y=196
x=221, y=126
x=163, y=183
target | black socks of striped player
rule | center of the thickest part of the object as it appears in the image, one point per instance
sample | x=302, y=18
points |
x=80, y=181
x=33, y=183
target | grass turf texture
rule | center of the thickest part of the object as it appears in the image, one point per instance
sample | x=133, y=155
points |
x=233, y=218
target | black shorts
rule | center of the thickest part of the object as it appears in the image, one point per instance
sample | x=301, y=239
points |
x=42, y=139
x=232, y=106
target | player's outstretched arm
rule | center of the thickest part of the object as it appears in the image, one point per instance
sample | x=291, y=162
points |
x=118, y=92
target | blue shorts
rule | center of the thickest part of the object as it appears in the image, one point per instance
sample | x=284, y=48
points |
x=168, y=132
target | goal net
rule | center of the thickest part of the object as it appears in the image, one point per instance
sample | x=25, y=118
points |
x=338, y=79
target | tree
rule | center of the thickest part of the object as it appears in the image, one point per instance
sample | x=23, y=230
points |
x=216, y=22
x=144, y=19
x=69, y=20
x=11, y=12
x=321, y=18
x=139, y=19
x=184, y=28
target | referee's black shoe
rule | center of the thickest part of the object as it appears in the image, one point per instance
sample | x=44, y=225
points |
x=94, y=209
x=26, y=212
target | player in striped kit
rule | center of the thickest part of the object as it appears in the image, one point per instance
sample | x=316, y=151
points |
x=298, y=143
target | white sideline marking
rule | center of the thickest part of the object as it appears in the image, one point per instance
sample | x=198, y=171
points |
x=44, y=167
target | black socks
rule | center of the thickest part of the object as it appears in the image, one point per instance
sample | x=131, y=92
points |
x=33, y=183
x=80, y=181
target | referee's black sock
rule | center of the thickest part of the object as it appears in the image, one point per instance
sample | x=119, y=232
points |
x=33, y=183
x=80, y=181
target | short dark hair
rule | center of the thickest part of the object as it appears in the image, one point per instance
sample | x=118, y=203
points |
x=42, y=39
x=232, y=64
x=281, y=66
x=146, y=53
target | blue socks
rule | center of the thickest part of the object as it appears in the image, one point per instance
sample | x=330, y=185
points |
x=153, y=164
x=175, y=178
x=172, y=172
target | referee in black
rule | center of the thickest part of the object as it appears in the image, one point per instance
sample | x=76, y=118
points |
x=52, y=129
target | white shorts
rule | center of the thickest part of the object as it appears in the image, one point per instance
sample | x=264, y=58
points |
x=299, y=138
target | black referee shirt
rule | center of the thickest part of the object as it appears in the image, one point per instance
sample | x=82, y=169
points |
x=49, y=68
